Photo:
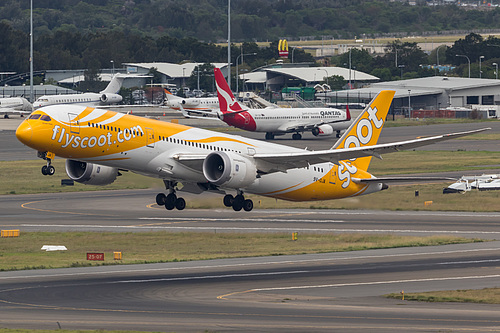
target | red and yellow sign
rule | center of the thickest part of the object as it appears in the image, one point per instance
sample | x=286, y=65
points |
x=283, y=48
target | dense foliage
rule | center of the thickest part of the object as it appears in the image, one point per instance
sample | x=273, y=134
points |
x=251, y=20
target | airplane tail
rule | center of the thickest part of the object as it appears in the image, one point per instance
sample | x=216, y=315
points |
x=114, y=85
x=366, y=129
x=227, y=102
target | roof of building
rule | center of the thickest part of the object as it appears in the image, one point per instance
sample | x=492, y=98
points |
x=418, y=87
x=173, y=70
x=316, y=74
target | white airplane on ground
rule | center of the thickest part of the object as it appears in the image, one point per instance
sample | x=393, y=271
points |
x=106, y=97
x=14, y=105
x=98, y=143
x=195, y=104
x=278, y=121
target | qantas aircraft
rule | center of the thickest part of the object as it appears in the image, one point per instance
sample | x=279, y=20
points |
x=15, y=105
x=206, y=104
x=278, y=121
x=107, y=96
x=97, y=144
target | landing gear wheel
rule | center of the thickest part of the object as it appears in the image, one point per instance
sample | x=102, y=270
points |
x=228, y=200
x=296, y=136
x=44, y=170
x=269, y=136
x=51, y=170
x=160, y=199
x=180, y=203
x=170, y=201
x=338, y=134
x=238, y=202
x=248, y=205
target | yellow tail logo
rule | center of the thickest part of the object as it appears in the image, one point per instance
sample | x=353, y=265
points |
x=366, y=129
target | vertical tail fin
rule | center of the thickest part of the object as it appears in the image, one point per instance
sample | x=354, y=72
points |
x=366, y=129
x=227, y=102
x=114, y=85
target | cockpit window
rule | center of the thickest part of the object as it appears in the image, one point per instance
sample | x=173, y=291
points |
x=45, y=118
x=34, y=116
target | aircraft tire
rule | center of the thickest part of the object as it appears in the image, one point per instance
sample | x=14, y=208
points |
x=248, y=205
x=228, y=200
x=296, y=136
x=44, y=170
x=51, y=170
x=170, y=201
x=180, y=203
x=160, y=199
x=238, y=202
x=269, y=136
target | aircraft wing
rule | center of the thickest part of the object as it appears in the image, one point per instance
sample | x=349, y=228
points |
x=199, y=114
x=284, y=161
x=387, y=180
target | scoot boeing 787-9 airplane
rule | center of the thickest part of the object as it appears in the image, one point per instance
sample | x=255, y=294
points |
x=98, y=143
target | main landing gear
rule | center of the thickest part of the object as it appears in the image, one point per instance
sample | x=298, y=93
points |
x=170, y=201
x=47, y=170
x=238, y=202
x=296, y=136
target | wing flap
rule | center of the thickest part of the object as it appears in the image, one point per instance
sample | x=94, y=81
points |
x=276, y=161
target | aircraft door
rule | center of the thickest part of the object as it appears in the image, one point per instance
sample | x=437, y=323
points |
x=333, y=173
x=74, y=123
x=150, y=137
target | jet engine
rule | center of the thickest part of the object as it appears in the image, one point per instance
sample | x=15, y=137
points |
x=229, y=170
x=322, y=130
x=90, y=174
x=111, y=98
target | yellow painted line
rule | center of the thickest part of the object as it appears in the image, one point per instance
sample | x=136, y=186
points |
x=25, y=205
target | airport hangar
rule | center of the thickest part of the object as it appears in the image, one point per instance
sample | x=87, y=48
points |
x=432, y=93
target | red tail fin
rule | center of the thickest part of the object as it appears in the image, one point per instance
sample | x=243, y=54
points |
x=347, y=113
x=227, y=102
x=167, y=91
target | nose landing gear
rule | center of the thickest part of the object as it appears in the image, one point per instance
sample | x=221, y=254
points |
x=47, y=170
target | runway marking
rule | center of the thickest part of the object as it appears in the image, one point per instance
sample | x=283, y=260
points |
x=360, y=284
x=257, y=229
x=129, y=269
x=25, y=205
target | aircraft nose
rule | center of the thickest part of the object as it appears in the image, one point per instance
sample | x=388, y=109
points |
x=24, y=133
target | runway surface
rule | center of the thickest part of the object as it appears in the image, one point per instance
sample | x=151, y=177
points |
x=338, y=292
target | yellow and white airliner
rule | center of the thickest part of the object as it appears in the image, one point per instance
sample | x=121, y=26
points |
x=98, y=143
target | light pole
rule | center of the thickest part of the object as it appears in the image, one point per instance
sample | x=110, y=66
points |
x=496, y=70
x=293, y=50
x=461, y=55
x=322, y=69
x=409, y=104
x=480, y=71
x=113, y=63
x=229, y=43
x=437, y=54
x=237, y=59
x=32, y=99
x=401, y=66
x=183, y=77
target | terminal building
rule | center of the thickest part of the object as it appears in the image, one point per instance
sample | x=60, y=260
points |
x=424, y=97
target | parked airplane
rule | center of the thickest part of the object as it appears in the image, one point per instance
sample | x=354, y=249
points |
x=106, y=97
x=206, y=104
x=14, y=105
x=98, y=143
x=278, y=121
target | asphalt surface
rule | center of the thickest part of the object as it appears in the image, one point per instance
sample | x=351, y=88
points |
x=338, y=292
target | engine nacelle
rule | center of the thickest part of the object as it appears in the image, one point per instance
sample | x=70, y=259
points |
x=229, y=170
x=111, y=98
x=90, y=174
x=322, y=130
x=191, y=102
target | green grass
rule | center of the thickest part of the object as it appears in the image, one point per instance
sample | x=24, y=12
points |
x=25, y=252
x=484, y=296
